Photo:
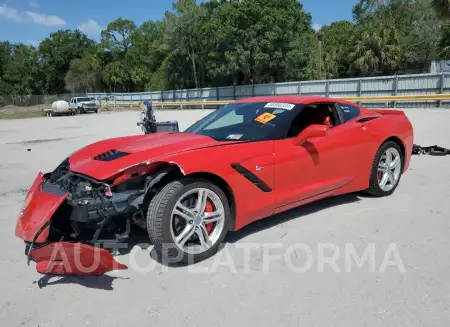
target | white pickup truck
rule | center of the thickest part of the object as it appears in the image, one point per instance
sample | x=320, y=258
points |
x=83, y=104
x=76, y=105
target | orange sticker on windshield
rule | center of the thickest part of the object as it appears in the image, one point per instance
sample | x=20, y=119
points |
x=265, y=117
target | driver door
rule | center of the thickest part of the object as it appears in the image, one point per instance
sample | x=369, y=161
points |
x=319, y=167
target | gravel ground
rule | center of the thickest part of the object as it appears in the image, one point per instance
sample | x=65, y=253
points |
x=256, y=279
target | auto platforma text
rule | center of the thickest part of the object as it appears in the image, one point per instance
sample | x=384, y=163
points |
x=264, y=257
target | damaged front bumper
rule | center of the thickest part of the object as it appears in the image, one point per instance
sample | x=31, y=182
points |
x=55, y=256
x=65, y=258
x=38, y=209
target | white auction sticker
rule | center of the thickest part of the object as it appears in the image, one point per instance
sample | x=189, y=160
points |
x=280, y=105
x=234, y=137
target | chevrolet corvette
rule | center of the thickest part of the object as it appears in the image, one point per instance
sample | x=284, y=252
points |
x=246, y=161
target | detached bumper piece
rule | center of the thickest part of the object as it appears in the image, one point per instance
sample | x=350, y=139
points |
x=66, y=258
x=433, y=150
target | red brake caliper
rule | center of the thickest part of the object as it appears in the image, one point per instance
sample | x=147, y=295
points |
x=209, y=208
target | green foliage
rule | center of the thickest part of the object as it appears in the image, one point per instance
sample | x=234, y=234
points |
x=377, y=49
x=117, y=36
x=339, y=38
x=56, y=53
x=84, y=73
x=21, y=70
x=444, y=42
x=442, y=8
x=220, y=43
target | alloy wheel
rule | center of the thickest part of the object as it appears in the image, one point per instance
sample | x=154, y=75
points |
x=197, y=220
x=389, y=169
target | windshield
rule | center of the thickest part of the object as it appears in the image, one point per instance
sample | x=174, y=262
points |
x=85, y=99
x=249, y=121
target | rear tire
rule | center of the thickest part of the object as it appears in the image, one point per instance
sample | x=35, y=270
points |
x=183, y=236
x=387, y=169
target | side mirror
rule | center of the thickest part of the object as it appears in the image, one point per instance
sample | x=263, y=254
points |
x=309, y=132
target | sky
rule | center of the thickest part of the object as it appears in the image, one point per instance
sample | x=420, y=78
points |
x=31, y=21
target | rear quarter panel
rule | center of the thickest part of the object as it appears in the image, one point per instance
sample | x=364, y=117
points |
x=395, y=124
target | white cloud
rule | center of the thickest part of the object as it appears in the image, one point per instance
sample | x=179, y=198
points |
x=47, y=20
x=12, y=14
x=34, y=4
x=33, y=43
x=91, y=27
x=316, y=27
x=9, y=13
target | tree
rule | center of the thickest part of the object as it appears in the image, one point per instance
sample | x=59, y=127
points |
x=301, y=59
x=418, y=30
x=117, y=40
x=148, y=52
x=365, y=10
x=56, y=53
x=85, y=73
x=21, y=69
x=115, y=74
x=444, y=42
x=256, y=40
x=182, y=26
x=5, y=57
x=339, y=38
x=415, y=24
x=376, y=50
x=225, y=42
x=117, y=36
x=442, y=8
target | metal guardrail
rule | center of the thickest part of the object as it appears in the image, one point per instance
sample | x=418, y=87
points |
x=350, y=88
x=422, y=97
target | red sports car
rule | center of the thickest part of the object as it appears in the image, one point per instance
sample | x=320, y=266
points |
x=246, y=161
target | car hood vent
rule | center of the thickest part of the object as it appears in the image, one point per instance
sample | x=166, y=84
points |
x=111, y=155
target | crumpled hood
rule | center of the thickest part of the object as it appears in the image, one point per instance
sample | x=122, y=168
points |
x=104, y=159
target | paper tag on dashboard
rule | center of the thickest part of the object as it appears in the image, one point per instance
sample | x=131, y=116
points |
x=234, y=137
x=280, y=105
x=265, y=117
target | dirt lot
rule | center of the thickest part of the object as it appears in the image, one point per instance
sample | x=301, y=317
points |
x=252, y=287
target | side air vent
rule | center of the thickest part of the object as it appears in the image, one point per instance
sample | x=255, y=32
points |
x=251, y=177
x=363, y=120
x=111, y=155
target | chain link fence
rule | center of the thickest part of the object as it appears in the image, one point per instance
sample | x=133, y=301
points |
x=417, y=84
x=17, y=104
x=22, y=104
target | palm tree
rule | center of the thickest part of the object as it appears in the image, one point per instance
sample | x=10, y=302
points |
x=377, y=49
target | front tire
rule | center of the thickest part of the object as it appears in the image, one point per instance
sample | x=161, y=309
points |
x=188, y=220
x=387, y=168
